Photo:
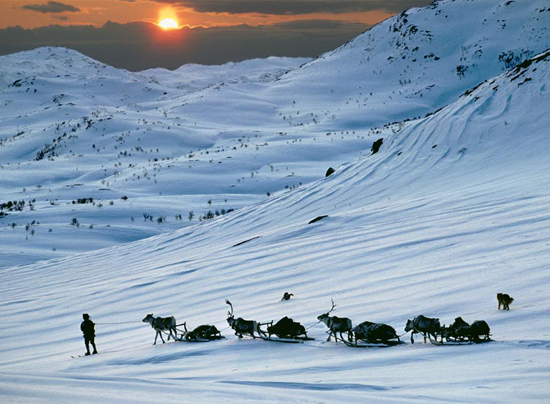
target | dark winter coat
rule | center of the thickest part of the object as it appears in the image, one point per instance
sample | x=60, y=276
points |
x=87, y=327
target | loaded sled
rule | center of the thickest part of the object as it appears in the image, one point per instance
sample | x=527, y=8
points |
x=368, y=334
x=202, y=333
x=462, y=333
x=285, y=330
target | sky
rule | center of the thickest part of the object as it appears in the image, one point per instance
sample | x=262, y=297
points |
x=126, y=34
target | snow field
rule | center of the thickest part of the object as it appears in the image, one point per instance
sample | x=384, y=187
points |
x=452, y=210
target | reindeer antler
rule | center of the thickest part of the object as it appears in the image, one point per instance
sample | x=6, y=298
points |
x=331, y=308
x=230, y=305
x=333, y=305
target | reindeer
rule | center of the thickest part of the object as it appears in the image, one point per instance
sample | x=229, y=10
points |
x=161, y=324
x=286, y=296
x=459, y=330
x=336, y=324
x=425, y=326
x=240, y=325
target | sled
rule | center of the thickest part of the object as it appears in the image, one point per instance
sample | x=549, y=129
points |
x=373, y=335
x=457, y=341
x=184, y=338
x=462, y=333
x=293, y=340
x=203, y=333
x=285, y=330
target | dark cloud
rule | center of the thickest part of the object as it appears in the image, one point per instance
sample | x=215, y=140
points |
x=315, y=24
x=53, y=7
x=139, y=46
x=295, y=7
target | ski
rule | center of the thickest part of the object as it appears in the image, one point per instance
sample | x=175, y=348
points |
x=81, y=356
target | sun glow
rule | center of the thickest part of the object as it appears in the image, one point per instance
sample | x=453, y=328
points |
x=168, y=23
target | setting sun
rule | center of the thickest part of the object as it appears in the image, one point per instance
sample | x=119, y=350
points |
x=168, y=23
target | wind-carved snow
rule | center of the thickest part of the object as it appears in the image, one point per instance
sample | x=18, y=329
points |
x=451, y=210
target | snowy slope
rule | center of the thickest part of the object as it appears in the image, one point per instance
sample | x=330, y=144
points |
x=69, y=132
x=450, y=211
x=157, y=148
x=407, y=66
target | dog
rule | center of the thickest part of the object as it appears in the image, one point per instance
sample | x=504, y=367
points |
x=504, y=300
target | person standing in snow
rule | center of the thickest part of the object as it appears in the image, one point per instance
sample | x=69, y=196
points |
x=87, y=328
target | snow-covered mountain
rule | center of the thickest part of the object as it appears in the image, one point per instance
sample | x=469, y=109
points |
x=450, y=210
x=405, y=67
x=204, y=140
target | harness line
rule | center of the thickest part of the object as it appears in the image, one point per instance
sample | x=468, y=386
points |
x=123, y=322
x=311, y=326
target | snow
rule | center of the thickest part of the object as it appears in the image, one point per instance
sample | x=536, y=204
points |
x=451, y=210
